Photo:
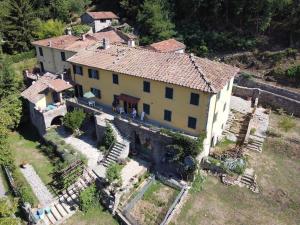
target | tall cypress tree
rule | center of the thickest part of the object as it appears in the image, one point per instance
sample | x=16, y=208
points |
x=18, y=26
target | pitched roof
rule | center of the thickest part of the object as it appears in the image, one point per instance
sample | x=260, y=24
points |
x=75, y=44
x=103, y=15
x=179, y=69
x=170, y=45
x=37, y=90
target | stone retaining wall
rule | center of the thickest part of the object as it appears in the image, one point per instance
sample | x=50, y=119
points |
x=250, y=83
x=269, y=99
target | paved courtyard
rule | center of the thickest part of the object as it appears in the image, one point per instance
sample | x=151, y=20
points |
x=37, y=185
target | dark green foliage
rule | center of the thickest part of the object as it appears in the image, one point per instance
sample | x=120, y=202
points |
x=79, y=29
x=293, y=72
x=26, y=195
x=73, y=120
x=109, y=137
x=21, y=56
x=154, y=22
x=18, y=26
x=113, y=173
x=88, y=198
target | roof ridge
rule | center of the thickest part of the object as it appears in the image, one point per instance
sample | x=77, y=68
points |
x=193, y=61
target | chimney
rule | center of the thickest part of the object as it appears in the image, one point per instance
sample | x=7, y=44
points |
x=131, y=43
x=49, y=43
x=83, y=37
x=69, y=31
x=106, y=43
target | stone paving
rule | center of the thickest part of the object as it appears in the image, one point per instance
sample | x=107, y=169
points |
x=87, y=146
x=37, y=185
x=240, y=105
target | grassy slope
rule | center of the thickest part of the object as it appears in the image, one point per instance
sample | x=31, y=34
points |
x=277, y=168
x=94, y=216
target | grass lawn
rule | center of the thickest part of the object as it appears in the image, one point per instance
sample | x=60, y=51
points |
x=278, y=177
x=153, y=206
x=24, y=64
x=95, y=216
x=25, y=148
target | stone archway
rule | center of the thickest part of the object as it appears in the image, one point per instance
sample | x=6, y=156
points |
x=58, y=120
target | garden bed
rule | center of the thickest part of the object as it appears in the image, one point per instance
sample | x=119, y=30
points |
x=153, y=206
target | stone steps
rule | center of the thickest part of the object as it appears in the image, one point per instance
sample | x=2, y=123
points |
x=114, y=154
x=67, y=203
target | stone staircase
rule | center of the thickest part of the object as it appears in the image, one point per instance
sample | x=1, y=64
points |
x=255, y=143
x=68, y=202
x=114, y=154
x=237, y=124
x=119, y=150
x=248, y=179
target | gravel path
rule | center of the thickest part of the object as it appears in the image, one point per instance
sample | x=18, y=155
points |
x=87, y=146
x=37, y=185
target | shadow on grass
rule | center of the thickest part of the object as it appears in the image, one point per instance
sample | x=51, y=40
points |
x=29, y=132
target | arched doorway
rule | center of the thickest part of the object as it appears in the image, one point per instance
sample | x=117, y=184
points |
x=57, y=120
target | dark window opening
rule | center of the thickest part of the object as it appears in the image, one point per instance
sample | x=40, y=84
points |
x=194, y=99
x=41, y=51
x=63, y=56
x=77, y=70
x=42, y=67
x=168, y=115
x=146, y=108
x=146, y=86
x=115, y=78
x=169, y=93
x=192, y=122
x=96, y=92
x=94, y=74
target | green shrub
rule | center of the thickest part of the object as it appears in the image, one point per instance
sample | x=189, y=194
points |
x=21, y=56
x=113, y=173
x=73, y=120
x=108, y=137
x=197, y=184
x=272, y=133
x=252, y=131
x=287, y=123
x=26, y=195
x=88, y=198
x=293, y=72
x=80, y=29
x=246, y=75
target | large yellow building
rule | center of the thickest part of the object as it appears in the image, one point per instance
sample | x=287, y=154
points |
x=179, y=91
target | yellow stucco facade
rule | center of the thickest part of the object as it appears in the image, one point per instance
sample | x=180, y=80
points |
x=209, y=104
x=45, y=100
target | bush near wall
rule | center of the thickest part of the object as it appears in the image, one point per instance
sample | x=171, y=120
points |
x=21, y=56
x=65, y=151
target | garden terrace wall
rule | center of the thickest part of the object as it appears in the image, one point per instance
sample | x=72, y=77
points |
x=269, y=99
x=251, y=83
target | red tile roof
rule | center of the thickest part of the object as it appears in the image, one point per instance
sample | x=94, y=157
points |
x=38, y=88
x=170, y=45
x=75, y=44
x=103, y=15
x=179, y=69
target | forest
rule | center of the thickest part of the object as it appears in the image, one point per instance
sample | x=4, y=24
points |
x=205, y=26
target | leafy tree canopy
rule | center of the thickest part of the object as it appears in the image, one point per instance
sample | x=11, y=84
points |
x=49, y=28
x=73, y=120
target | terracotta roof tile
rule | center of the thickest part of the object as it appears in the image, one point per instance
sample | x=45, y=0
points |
x=103, y=15
x=179, y=69
x=38, y=88
x=170, y=45
x=75, y=44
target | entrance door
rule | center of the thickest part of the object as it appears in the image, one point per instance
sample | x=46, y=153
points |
x=125, y=107
x=128, y=107
x=78, y=90
x=42, y=67
x=55, y=96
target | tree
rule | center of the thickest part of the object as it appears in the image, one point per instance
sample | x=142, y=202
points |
x=18, y=26
x=7, y=210
x=73, y=120
x=88, y=198
x=154, y=22
x=80, y=29
x=113, y=174
x=108, y=137
x=49, y=28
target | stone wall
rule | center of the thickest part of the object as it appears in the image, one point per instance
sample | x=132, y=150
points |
x=155, y=141
x=268, y=99
x=250, y=83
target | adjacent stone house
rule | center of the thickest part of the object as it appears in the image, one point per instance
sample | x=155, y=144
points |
x=99, y=20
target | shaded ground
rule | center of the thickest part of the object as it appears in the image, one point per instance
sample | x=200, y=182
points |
x=95, y=216
x=153, y=206
x=277, y=169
